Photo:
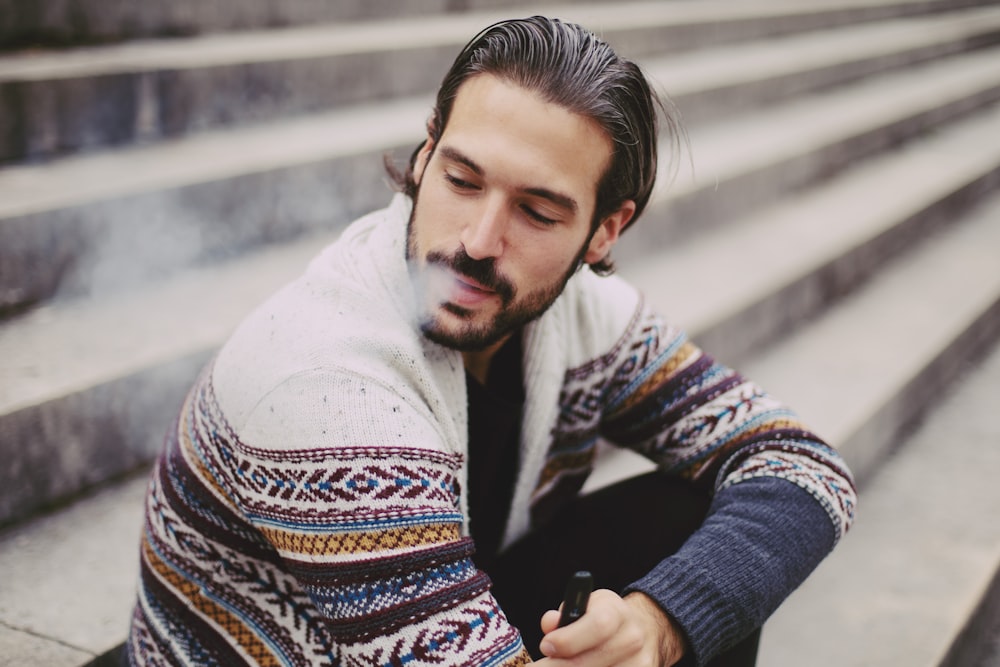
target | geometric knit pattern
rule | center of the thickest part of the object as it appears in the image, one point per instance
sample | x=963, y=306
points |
x=341, y=557
x=660, y=395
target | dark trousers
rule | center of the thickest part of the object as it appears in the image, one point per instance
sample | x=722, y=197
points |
x=618, y=533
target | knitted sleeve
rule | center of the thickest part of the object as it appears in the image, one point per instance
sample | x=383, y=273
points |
x=782, y=496
x=670, y=401
x=350, y=554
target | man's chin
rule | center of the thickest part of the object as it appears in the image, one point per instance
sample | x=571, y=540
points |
x=464, y=340
x=457, y=328
x=466, y=330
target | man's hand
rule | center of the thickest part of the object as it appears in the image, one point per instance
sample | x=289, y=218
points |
x=631, y=632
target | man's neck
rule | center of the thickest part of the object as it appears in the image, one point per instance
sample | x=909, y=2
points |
x=477, y=362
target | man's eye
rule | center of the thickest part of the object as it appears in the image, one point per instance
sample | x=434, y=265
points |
x=538, y=217
x=458, y=182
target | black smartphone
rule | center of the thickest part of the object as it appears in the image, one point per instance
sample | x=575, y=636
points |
x=577, y=594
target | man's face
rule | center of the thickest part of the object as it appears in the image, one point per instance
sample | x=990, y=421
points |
x=503, y=212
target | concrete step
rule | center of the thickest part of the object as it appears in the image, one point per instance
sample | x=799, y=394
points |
x=87, y=224
x=143, y=91
x=786, y=263
x=728, y=80
x=33, y=22
x=755, y=158
x=63, y=224
x=25, y=648
x=69, y=579
x=71, y=100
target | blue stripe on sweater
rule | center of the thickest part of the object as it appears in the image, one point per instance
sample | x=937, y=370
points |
x=327, y=527
x=367, y=598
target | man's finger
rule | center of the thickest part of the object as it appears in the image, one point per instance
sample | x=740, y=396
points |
x=602, y=620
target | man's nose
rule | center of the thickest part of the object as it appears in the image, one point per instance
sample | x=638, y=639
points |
x=484, y=237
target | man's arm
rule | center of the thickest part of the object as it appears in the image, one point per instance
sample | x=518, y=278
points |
x=782, y=497
x=370, y=535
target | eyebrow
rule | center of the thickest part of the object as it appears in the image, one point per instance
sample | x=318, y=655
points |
x=557, y=198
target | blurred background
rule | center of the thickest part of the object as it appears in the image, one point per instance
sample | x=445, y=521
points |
x=832, y=230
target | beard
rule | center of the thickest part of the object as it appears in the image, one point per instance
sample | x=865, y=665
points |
x=512, y=314
x=471, y=335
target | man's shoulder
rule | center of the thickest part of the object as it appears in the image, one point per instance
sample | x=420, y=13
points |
x=603, y=292
x=328, y=381
x=346, y=315
x=598, y=310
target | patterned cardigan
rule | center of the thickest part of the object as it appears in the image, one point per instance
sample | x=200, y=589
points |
x=308, y=507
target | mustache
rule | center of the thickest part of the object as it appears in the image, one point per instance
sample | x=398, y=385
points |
x=483, y=271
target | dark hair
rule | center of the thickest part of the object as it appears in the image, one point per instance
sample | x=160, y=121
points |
x=569, y=66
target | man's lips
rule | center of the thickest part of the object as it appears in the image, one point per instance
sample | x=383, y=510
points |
x=468, y=292
x=470, y=283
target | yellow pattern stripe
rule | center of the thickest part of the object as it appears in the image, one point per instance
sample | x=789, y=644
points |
x=522, y=658
x=228, y=622
x=581, y=461
x=191, y=455
x=359, y=543
x=680, y=359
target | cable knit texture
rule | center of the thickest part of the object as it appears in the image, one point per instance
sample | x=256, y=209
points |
x=308, y=508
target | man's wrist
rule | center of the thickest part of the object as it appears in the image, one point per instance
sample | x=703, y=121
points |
x=670, y=639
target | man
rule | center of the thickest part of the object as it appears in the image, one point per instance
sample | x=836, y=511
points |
x=395, y=441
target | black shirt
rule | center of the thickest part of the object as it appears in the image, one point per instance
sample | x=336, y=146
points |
x=494, y=436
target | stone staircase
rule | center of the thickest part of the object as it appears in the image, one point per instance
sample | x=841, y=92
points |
x=835, y=233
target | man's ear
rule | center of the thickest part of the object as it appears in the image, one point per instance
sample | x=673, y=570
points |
x=608, y=232
x=422, y=158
